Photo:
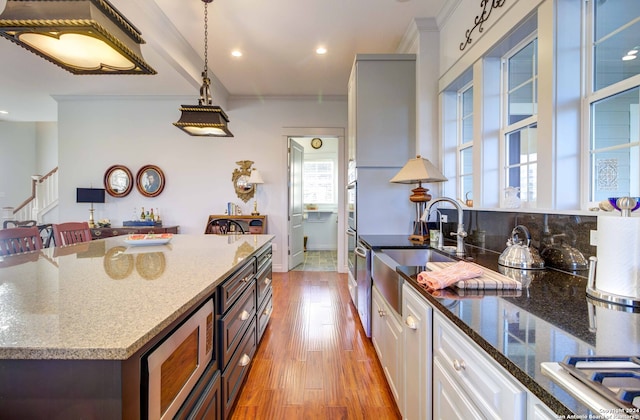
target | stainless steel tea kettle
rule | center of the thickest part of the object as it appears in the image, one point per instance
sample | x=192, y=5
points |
x=519, y=254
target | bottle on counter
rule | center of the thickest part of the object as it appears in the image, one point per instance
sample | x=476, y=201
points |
x=151, y=217
x=142, y=214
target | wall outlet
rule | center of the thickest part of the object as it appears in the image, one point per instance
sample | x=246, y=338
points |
x=593, y=238
x=444, y=218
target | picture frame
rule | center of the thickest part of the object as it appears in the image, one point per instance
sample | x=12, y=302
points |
x=118, y=181
x=150, y=181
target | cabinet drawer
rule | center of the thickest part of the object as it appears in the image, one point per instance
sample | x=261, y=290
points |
x=238, y=368
x=235, y=322
x=234, y=286
x=264, y=315
x=449, y=401
x=264, y=258
x=263, y=282
x=488, y=385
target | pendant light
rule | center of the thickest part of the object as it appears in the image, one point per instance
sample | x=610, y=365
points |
x=81, y=36
x=204, y=119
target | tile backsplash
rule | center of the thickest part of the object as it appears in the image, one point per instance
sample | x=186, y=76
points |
x=491, y=229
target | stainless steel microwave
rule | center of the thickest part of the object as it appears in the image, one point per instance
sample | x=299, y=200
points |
x=175, y=365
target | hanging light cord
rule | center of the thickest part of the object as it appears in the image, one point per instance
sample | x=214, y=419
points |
x=205, y=89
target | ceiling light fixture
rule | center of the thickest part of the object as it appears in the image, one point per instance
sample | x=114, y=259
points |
x=321, y=50
x=236, y=53
x=204, y=119
x=81, y=36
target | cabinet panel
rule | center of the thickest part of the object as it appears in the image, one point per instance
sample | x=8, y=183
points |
x=205, y=400
x=99, y=233
x=387, y=337
x=263, y=282
x=417, y=315
x=492, y=389
x=381, y=108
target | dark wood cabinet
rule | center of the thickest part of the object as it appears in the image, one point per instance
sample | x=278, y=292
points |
x=250, y=224
x=100, y=233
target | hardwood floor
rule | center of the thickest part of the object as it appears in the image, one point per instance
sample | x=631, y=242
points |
x=314, y=361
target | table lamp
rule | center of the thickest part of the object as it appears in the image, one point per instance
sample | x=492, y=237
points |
x=255, y=178
x=417, y=171
x=90, y=195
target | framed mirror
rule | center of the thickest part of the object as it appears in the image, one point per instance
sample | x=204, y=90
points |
x=150, y=180
x=240, y=179
x=118, y=181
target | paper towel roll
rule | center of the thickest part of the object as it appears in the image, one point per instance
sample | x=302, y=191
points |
x=618, y=255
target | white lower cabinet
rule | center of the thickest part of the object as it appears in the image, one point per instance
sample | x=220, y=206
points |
x=386, y=336
x=449, y=400
x=464, y=368
x=536, y=410
x=417, y=316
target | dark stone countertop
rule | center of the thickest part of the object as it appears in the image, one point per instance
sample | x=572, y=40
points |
x=547, y=321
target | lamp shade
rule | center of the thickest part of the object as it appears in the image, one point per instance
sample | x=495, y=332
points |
x=90, y=195
x=203, y=120
x=81, y=36
x=418, y=170
x=255, y=177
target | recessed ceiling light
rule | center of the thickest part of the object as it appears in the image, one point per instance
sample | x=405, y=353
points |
x=629, y=57
x=321, y=50
x=3, y=112
x=236, y=53
x=633, y=51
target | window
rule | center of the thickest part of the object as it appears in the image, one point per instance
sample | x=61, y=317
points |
x=520, y=119
x=319, y=182
x=465, y=141
x=613, y=99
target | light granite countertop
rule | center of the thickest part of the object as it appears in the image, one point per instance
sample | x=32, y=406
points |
x=103, y=300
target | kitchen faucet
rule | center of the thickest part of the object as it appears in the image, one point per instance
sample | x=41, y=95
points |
x=460, y=233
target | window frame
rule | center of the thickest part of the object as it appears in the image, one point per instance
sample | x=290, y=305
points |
x=461, y=144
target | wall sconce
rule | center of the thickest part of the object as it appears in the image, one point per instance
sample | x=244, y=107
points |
x=204, y=119
x=90, y=195
x=81, y=36
x=255, y=179
x=417, y=171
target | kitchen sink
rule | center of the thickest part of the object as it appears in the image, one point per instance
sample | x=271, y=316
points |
x=384, y=275
x=414, y=256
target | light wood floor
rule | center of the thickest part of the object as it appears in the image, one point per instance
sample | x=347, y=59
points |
x=314, y=361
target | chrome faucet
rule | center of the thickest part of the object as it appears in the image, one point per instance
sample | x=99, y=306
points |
x=460, y=233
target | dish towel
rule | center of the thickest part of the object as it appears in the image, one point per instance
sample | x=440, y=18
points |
x=487, y=280
x=450, y=275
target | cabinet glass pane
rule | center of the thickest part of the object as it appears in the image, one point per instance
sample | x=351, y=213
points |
x=617, y=25
x=615, y=159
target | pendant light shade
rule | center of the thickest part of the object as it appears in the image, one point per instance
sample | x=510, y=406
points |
x=204, y=119
x=81, y=36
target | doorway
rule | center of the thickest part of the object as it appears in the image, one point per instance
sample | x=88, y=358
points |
x=322, y=195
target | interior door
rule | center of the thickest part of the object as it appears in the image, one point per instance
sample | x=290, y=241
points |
x=296, y=229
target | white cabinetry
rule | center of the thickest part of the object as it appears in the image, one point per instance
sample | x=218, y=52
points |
x=468, y=380
x=381, y=110
x=536, y=410
x=417, y=316
x=386, y=335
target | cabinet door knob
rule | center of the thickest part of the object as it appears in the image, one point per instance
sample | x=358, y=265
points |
x=459, y=365
x=411, y=323
x=267, y=281
x=246, y=279
x=268, y=311
x=244, y=316
x=97, y=232
x=381, y=312
x=244, y=360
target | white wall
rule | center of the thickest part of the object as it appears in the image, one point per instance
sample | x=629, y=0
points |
x=17, y=139
x=95, y=133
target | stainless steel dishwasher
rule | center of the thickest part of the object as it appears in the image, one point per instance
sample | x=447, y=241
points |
x=363, y=280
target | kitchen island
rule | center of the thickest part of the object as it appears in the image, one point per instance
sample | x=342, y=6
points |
x=78, y=322
x=545, y=322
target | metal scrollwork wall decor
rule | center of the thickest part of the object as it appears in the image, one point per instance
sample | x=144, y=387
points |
x=487, y=7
